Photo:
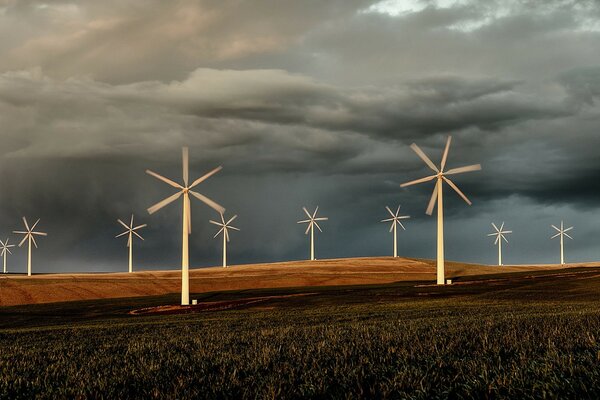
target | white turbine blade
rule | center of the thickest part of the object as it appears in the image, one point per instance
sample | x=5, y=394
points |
x=392, y=226
x=34, y=225
x=457, y=190
x=129, y=241
x=402, y=226
x=215, y=222
x=208, y=202
x=306, y=212
x=397, y=211
x=226, y=235
x=556, y=228
x=445, y=156
x=495, y=227
x=124, y=224
x=568, y=229
x=2, y=243
x=205, y=176
x=315, y=213
x=567, y=235
x=231, y=220
x=321, y=219
x=424, y=157
x=388, y=219
x=555, y=236
x=189, y=214
x=432, y=201
x=24, y=240
x=403, y=217
x=492, y=234
x=165, y=180
x=218, y=233
x=506, y=232
x=131, y=222
x=460, y=170
x=34, y=242
x=122, y=234
x=164, y=202
x=21, y=232
x=9, y=252
x=39, y=233
x=421, y=180
x=26, y=224
x=137, y=234
x=308, y=227
x=185, y=156
x=304, y=221
x=503, y=237
x=10, y=245
x=140, y=227
x=233, y=227
x=497, y=240
x=502, y=226
x=318, y=227
x=390, y=211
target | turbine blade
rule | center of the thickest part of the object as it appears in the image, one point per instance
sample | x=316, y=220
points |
x=208, y=202
x=307, y=213
x=567, y=235
x=321, y=219
x=403, y=217
x=226, y=235
x=315, y=213
x=215, y=222
x=21, y=232
x=421, y=180
x=122, y=234
x=137, y=234
x=505, y=239
x=218, y=233
x=231, y=220
x=460, y=170
x=26, y=224
x=189, y=214
x=318, y=227
x=388, y=220
x=495, y=227
x=457, y=190
x=402, y=226
x=392, y=226
x=497, y=240
x=39, y=233
x=424, y=157
x=165, y=180
x=140, y=227
x=390, y=211
x=234, y=228
x=492, y=234
x=557, y=235
x=129, y=241
x=304, y=221
x=555, y=228
x=568, y=229
x=432, y=201
x=164, y=202
x=9, y=252
x=34, y=225
x=397, y=211
x=34, y=242
x=445, y=156
x=24, y=240
x=205, y=176
x=308, y=228
x=507, y=232
x=123, y=223
x=185, y=156
x=502, y=226
x=131, y=222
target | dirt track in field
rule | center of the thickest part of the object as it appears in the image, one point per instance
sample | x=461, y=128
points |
x=47, y=288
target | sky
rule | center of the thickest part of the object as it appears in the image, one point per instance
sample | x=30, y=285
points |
x=303, y=104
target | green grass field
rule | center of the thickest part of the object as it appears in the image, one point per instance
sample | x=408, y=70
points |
x=527, y=335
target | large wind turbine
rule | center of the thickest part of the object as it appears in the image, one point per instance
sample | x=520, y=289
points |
x=5, y=248
x=440, y=176
x=312, y=222
x=500, y=232
x=130, y=231
x=562, y=232
x=225, y=230
x=29, y=237
x=185, y=190
x=395, y=220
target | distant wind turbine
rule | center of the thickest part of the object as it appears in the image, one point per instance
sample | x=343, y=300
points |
x=29, y=237
x=395, y=220
x=499, y=234
x=185, y=190
x=5, y=248
x=225, y=226
x=312, y=222
x=440, y=177
x=562, y=232
x=130, y=231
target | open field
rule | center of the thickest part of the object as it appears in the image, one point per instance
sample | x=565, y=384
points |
x=47, y=288
x=531, y=334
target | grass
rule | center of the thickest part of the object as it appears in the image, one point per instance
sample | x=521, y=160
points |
x=524, y=337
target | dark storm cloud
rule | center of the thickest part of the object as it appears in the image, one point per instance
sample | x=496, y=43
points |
x=303, y=103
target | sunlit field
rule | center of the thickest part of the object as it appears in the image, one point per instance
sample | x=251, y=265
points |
x=522, y=335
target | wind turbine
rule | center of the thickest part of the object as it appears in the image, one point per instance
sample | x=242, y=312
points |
x=130, y=231
x=440, y=176
x=185, y=190
x=500, y=232
x=224, y=228
x=29, y=237
x=312, y=222
x=562, y=232
x=395, y=220
x=5, y=248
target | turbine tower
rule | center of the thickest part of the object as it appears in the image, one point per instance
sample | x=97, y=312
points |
x=130, y=231
x=440, y=176
x=225, y=230
x=312, y=222
x=562, y=232
x=500, y=232
x=29, y=237
x=5, y=248
x=185, y=190
x=395, y=220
